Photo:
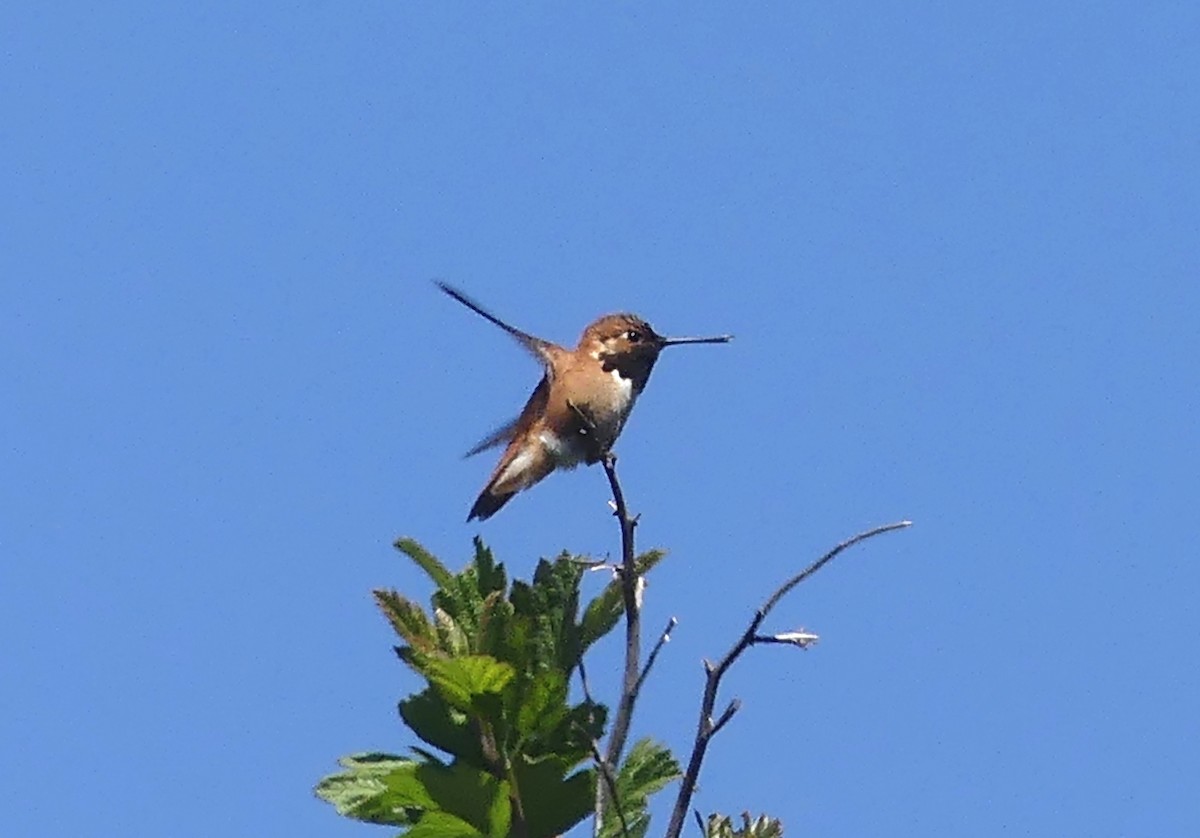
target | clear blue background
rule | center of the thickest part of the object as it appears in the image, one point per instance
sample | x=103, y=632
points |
x=958, y=244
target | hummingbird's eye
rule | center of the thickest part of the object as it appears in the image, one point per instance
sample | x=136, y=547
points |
x=633, y=336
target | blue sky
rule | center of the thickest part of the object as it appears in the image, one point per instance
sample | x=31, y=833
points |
x=958, y=245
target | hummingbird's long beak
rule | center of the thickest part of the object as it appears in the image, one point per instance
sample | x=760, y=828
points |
x=677, y=341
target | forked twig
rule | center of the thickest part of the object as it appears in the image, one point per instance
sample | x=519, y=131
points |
x=707, y=726
x=663, y=639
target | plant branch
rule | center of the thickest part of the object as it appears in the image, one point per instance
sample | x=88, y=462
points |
x=662, y=641
x=631, y=680
x=633, y=616
x=707, y=727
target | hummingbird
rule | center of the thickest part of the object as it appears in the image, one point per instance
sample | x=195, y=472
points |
x=578, y=409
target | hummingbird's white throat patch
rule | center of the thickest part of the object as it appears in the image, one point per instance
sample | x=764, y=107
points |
x=624, y=385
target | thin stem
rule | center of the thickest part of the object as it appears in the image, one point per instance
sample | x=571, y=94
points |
x=633, y=616
x=611, y=783
x=631, y=680
x=662, y=641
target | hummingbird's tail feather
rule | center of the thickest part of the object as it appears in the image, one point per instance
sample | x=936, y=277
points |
x=487, y=505
x=520, y=468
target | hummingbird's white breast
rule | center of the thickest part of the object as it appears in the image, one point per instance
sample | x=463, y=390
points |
x=607, y=407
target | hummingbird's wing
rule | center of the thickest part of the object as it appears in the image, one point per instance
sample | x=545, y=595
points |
x=533, y=408
x=543, y=350
x=497, y=437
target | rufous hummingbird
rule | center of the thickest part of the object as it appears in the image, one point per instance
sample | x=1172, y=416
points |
x=579, y=407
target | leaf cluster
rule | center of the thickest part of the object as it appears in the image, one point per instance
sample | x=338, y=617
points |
x=514, y=751
x=721, y=826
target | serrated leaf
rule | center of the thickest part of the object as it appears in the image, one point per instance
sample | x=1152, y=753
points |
x=647, y=769
x=407, y=619
x=551, y=603
x=466, y=792
x=553, y=802
x=495, y=623
x=443, y=726
x=601, y=614
x=490, y=576
x=425, y=560
x=543, y=704
x=465, y=680
x=645, y=562
x=575, y=734
x=363, y=791
x=442, y=825
x=460, y=599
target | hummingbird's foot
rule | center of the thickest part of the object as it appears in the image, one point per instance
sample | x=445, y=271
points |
x=589, y=426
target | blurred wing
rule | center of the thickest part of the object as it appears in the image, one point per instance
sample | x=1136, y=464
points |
x=540, y=349
x=533, y=409
x=500, y=436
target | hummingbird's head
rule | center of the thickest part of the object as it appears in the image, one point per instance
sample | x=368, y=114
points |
x=623, y=335
x=625, y=343
x=628, y=334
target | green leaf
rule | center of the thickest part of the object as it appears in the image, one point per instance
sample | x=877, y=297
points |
x=431, y=798
x=552, y=802
x=552, y=603
x=543, y=705
x=647, y=561
x=425, y=560
x=572, y=739
x=495, y=630
x=601, y=614
x=461, y=601
x=647, y=769
x=516, y=644
x=443, y=825
x=490, y=576
x=443, y=726
x=465, y=680
x=478, y=798
x=364, y=791
x=408, y=620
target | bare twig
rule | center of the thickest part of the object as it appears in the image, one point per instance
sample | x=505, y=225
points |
x=597, y=757
x=632, y=679
x=724, y=718
x=663, y=639
x=583, y=679
x=707, y=727
x=633, y=617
